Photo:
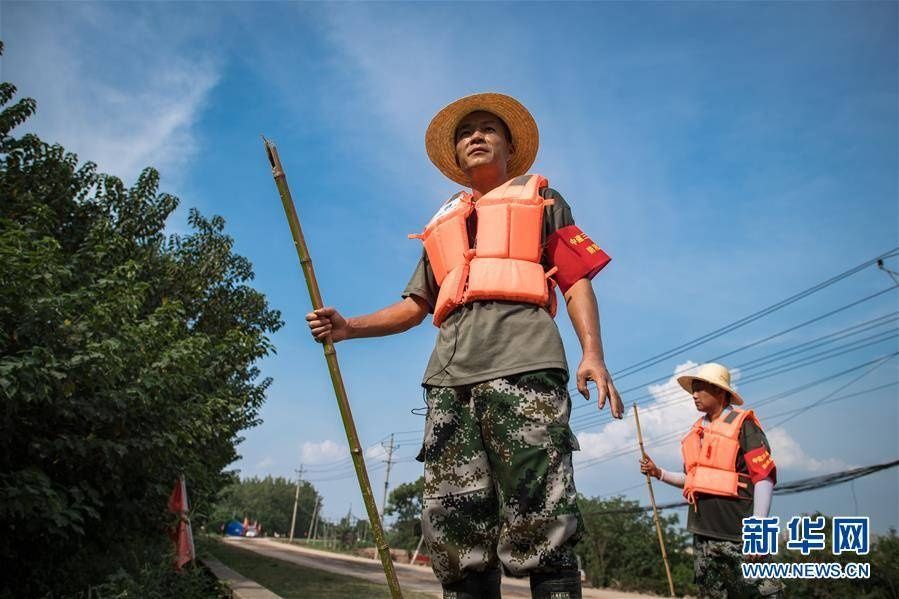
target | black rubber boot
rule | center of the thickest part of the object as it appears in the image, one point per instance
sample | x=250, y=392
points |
x=557, y=585
x=475, y=585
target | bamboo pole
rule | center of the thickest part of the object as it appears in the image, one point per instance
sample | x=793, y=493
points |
x=655, y=510
x=334, y=369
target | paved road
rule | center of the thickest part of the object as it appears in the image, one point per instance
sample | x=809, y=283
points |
x=413, y=578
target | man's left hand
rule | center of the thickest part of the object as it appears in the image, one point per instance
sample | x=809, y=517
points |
x=593, y=368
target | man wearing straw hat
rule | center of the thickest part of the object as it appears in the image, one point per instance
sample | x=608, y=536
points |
x=729, y=475
x=499, y=488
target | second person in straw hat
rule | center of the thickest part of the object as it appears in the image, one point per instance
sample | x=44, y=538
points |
x=499, y=487
x=728, y=475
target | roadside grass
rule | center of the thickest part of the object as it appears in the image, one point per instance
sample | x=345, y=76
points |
x=296, y=582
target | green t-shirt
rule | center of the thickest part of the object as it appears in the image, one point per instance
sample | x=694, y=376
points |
x=485, y=340
x=722, y=517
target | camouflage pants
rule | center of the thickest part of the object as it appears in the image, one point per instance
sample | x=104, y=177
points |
x=499, y=486
x=716, y=565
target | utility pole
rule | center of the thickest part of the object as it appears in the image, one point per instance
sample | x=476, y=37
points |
x=390, y=449
x=349, y=525
x=296, y=500
x=316, y=519
x=311, y=522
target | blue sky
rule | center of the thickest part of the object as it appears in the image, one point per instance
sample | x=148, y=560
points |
x=726, y=155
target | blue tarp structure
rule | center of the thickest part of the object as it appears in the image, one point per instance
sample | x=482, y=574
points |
x=234, y=528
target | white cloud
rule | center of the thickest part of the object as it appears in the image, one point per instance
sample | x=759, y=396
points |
x=322, y=452
x=265, y=463
x=376, y=451
x=788, y=454
x=669, y=414
x=126, y=99
x=385, y=84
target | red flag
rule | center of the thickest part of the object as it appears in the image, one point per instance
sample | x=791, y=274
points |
x=178, y=498
x=183, y=535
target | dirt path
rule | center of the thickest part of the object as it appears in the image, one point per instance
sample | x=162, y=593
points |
x=413, y=578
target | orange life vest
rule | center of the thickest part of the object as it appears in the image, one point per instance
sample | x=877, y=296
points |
x=710, y=455
x=504, y=263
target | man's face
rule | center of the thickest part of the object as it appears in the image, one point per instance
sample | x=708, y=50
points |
x=482, y=139
x=707, y=397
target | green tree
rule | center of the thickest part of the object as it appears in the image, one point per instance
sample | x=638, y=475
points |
x=621, y=548
x=883, y=558
x=346, y=532
x=405, y=503
x=269, y=501
x=126, y=358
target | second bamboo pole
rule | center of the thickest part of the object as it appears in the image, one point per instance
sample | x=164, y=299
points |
x=655, y=510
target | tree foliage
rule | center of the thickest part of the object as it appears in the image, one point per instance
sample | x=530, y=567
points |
x=266, y=500
x=126, y=357
x=405, y=503
x=883, y=558
x=621, y=550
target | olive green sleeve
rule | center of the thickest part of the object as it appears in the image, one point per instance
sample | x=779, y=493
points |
x=752, y=437
x=423, y=284
x=558, y=215
x=555, y=217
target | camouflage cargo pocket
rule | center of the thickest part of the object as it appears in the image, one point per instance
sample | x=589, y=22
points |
x=563, y=438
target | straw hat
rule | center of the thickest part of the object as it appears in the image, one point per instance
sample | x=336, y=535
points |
x=440, y=136
x=715, y=374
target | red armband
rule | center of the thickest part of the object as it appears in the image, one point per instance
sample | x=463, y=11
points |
x=760, y=465
x=575, y=255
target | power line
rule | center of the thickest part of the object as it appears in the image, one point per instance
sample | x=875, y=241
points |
x=833, y=352
x=778, y=414
x=344, y=476
x=351, y=474
x=669, y=438
x=797, y=349
x=643, y=364
x=676, y=395
x=833, y=393
x=757, y=342
x=826, y=339
x=346, y=462
x=797, y=486
x=825, y=355
x=673, y=396
x=833, y=399
x=673, y=436
x=742, y=368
